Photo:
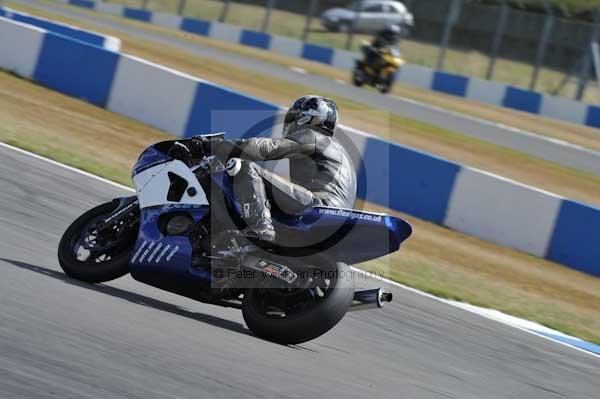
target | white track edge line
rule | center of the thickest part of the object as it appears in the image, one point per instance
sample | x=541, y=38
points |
x=371, y=275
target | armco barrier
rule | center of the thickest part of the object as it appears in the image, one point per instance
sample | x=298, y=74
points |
x=486, y=91
x=392, y=175
x=108, y=42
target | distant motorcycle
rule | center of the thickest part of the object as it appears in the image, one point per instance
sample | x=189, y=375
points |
x=381, y=76
x=181, y=233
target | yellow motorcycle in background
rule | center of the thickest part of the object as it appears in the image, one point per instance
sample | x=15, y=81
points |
x=381, y=73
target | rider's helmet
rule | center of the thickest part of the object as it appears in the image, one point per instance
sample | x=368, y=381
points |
x=391, y=34
x=312, y=111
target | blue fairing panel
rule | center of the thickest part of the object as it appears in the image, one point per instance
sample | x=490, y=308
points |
x=345, y=235
x=165, y=261
x=152, y=156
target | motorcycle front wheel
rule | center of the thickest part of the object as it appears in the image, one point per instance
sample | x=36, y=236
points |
x=293, y=316
x=358, y=77
x=89, y=254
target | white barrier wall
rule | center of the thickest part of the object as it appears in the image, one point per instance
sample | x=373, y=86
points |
x=225, y=32
x=166, y=20
x=159, y=96
x=286, y=46
x=502, y=211
x=486, y=91
x=20, y=45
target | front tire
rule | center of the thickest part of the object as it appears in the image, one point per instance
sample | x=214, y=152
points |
x=100, y=266
x=386, y=86
x=307, y=324
x=358, y=77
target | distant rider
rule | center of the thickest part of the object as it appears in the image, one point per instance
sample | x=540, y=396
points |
x=321, y=171
x=385, y=39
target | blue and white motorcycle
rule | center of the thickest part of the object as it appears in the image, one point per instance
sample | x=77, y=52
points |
x=181, y=233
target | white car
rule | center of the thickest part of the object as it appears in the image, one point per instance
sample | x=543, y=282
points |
x=368, y=16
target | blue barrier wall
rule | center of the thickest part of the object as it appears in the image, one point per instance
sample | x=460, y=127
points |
x=576, y=238
x=76, y=69
x=217, y=109
x=109, y=42
x=196, y=26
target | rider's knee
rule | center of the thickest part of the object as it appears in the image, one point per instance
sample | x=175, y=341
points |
x=234, y=166
x=241, y=167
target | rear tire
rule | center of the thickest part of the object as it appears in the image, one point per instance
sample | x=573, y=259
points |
x=92, y=271
x=386, y=86
x=306, y=325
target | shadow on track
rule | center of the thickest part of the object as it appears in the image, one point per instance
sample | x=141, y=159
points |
x=134, y=298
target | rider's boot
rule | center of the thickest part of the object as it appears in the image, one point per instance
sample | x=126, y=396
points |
x=258, y=218
x=250, y=191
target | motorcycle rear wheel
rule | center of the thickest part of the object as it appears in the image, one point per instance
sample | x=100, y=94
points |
x=306, y=324
x=106, y=263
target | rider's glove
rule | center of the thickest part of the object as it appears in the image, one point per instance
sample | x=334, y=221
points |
x=181, y=152
x=200, y=145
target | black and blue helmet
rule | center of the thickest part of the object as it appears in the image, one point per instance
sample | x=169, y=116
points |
x=313, y=111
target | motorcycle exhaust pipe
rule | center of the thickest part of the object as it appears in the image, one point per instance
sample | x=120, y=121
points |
x=370, y=299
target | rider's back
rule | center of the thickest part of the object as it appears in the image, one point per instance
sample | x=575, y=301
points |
x=328, y=172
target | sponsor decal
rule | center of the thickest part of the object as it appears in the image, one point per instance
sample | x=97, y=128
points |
x=137, y=253
x=146, y=251
x=351, y=214
x=154, y=252
x=275, y=270
x=164, y=251
x=173, y=252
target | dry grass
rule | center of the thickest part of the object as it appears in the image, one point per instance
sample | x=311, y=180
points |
x=70, y=130
x=435, y=259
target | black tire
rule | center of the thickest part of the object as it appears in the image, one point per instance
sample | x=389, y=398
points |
x=386, y=86
x=91, y=272
x=358, y=78
x=306, y=325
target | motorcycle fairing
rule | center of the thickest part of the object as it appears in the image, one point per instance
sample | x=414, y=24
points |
x=165, y=261
x=349, y=236
x=170, y=182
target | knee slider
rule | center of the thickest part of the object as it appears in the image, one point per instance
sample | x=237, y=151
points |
x=233, y=166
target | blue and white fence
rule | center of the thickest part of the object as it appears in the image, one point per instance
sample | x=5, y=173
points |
x=485, y=91
x=392, y=175
x=97, y=39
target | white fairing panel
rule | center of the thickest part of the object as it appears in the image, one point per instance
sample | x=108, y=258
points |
x=152, y=185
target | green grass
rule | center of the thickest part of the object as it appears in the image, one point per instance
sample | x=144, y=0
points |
x=461, y=61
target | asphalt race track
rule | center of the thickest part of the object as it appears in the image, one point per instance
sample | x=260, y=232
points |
x=66, y=339
x=529, y=143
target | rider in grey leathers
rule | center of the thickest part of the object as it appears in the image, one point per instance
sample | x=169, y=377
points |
x=321, y=171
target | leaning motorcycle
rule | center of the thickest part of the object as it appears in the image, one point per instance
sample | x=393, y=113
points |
x=181, y=233
x=381, y=76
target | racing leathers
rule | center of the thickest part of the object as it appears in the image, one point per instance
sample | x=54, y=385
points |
x=321, y=173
